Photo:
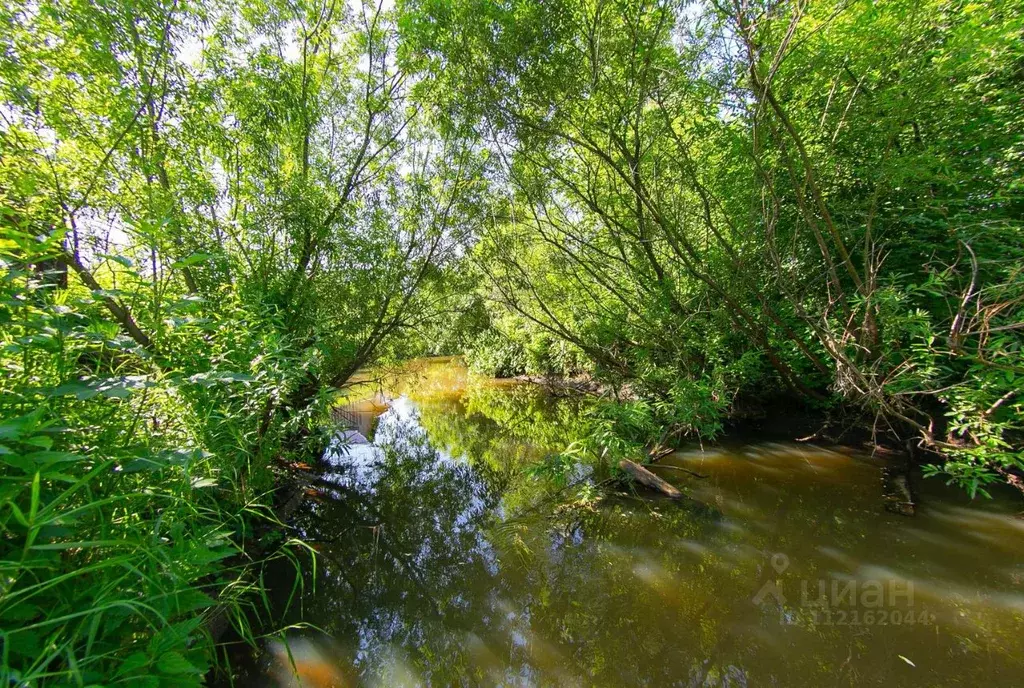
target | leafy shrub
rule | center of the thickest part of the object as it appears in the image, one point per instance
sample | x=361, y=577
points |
x=129, y=481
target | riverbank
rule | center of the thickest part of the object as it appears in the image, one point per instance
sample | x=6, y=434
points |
x=784, y=418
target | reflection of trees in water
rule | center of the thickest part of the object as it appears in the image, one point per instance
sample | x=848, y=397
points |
x=504, y=430
x=405, y=534
x=408, y=564
x=463, y=571
x=496, y=425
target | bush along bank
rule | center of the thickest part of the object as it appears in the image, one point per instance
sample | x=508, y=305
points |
x=134, y=477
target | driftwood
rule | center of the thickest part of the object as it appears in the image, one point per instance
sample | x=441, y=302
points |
x=659, y=453
x=695, y=474
x=645, y=477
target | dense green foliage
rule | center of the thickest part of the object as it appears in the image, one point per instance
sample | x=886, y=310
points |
x=213, y=213
x=717, y=201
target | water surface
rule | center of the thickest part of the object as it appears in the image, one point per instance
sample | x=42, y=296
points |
x=444, y=560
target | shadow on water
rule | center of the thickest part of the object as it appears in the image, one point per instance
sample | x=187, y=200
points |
x=442, y=562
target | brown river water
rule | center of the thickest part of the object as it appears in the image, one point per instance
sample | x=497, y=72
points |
x=445, y=560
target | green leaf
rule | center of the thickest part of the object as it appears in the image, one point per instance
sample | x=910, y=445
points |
x=46, y=458
x=39, y=441
x=194, y=259
x=21, y=612
x=118, y=388
x=34, y=501
x=122, y=260
x=175, y=663
x=24, y=464
x=190, y=600
x=132, y=663
x=164, y=459
x=19, y=515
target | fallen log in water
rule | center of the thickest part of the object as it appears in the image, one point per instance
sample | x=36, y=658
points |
x=670, y=467
x=645, y=477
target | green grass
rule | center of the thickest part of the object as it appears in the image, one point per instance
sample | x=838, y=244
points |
x=133, y=486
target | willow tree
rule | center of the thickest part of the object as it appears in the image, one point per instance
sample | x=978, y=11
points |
x=210, y=215
x=273, y=152
x=332, y=198
x=712, y=198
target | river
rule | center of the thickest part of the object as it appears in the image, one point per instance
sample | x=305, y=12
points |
x=445, y=559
